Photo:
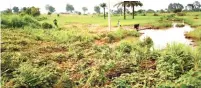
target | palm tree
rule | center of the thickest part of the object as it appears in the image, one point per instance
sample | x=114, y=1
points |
x=123, y=4
x=129, y=4
x=103, y=5
x=133, y=4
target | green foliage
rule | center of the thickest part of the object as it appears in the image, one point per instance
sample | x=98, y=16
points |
x=155, y=14
x=28, y=75
x=33, y=11
x=120, y=34
x=147, y=42
x=175, y=60
x=125, y=47
x=64, y=82
x=190, y=79
x=46, y=25
x=16, y=21
x=41, y=18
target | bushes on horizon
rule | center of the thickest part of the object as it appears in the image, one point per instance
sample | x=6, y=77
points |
x=155, y=14
x=16, y=21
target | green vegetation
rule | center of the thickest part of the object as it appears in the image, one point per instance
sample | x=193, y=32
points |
x=82, y=53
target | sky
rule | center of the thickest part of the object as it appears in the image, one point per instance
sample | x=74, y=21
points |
x=78, y=4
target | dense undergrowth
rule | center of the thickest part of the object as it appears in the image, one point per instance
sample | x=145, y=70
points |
x=68, y=57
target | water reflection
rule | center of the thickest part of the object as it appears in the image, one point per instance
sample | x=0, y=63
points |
x=163, y=37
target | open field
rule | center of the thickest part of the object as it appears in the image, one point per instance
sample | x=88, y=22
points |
x=83, y=53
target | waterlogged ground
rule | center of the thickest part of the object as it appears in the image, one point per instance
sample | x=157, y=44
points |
x=163, y=37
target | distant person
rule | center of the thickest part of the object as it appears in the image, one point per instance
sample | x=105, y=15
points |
x=55, y=22
x=136, y=26
x=118, y=24
x=57, y=15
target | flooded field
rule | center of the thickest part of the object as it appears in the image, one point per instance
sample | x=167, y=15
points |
x=163, y=37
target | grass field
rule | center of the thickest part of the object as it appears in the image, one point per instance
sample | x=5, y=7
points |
x=82, y=53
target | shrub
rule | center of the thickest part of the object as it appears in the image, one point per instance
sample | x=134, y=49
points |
x=125, y=47
x=5, y=22
x=64, y=82
x=17, y=22
x=49, y=13
x=155, y=14
x=176, y=60
x=120, y=34
x=144, y=14
x=181, y=14
x=31, y=76
x=31, y=22
x=177, y=10
x=147, y=42
x=46, y=25
x=180, y=25
x=41, y=18
x=190, y=79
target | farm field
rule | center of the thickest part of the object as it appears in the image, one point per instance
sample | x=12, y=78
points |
x=81, y=52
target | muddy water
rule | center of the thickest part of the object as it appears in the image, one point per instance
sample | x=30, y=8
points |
x=163, y=37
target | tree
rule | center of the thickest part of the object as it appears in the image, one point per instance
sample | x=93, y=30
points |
x=7, y=11
x=97, y=9
x=84, y=9
x=103, y=5
x=15, y=9
x=50, y=8
x=135, y=3
x=141, y=11
x=191, y=7
x=197, y=5
x=129, y=4
x=30, y=11
x=175, y=7
x=118, y=11
x=69, y=8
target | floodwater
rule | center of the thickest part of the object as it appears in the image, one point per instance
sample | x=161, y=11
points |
x=163, y=37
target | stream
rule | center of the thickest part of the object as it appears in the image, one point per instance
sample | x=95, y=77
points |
x=163, y=37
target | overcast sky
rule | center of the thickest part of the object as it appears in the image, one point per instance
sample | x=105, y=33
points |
x=78, y=4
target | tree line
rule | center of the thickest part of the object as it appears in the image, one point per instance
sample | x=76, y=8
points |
x=121, y=8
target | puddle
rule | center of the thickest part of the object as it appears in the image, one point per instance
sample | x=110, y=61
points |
x=163, y=37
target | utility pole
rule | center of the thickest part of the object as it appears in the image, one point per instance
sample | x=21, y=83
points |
x=109, y=19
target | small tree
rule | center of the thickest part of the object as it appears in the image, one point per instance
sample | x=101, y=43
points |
x=97, y=9
x=69, y=8
x=84, y=9
x=50, y=8
x=15, y=9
